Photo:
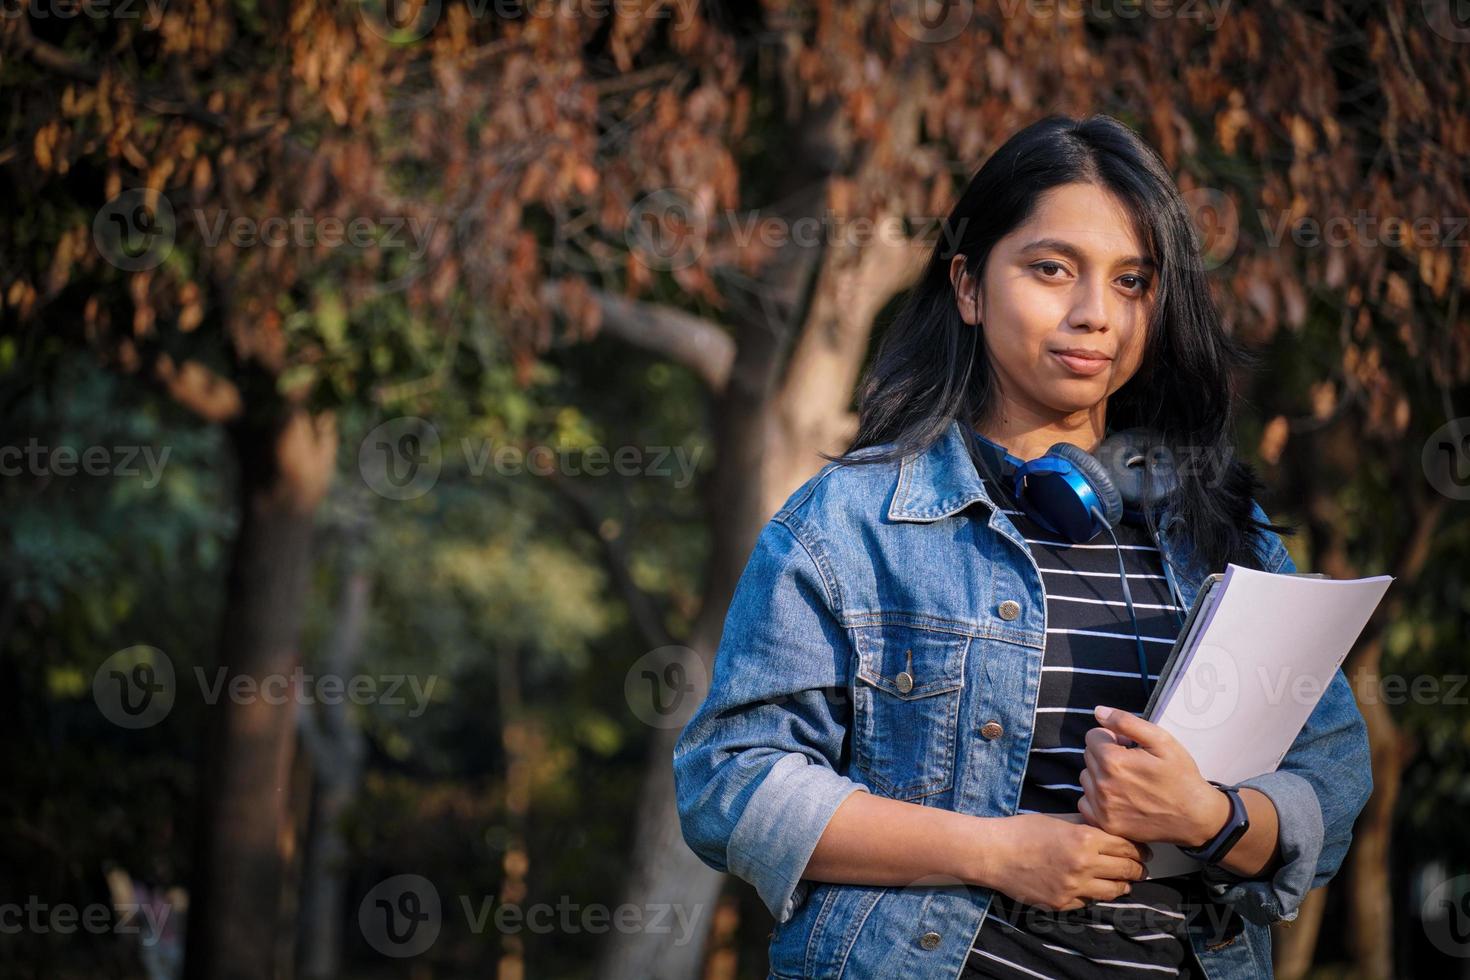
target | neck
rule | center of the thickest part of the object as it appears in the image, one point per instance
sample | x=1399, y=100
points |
x=1029, y=435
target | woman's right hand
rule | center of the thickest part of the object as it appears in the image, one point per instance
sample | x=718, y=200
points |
x=1055, y=863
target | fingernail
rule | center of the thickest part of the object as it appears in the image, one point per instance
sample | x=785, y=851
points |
x=1102, y=713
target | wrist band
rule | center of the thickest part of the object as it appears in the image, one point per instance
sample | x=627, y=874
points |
x=1213, y=850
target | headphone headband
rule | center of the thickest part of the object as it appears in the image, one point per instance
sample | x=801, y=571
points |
x=1077, y=494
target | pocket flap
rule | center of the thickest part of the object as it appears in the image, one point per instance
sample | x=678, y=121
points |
x=910, y=662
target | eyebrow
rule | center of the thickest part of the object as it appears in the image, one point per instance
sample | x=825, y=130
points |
x=1071, y=252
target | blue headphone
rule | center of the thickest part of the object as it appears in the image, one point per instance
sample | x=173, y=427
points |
x=1078, y=495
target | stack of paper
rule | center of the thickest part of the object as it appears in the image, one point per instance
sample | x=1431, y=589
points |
x=1252, y=661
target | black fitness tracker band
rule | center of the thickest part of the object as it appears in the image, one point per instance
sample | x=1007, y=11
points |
x=1213, y=850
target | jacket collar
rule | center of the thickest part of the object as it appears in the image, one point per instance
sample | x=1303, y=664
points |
x=938, y=481
x=942, y=480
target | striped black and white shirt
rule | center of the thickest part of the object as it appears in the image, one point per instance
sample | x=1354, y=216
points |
x=1090, y=658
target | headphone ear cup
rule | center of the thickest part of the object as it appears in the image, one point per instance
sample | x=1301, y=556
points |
x=1128, y=455
x=1110, y=500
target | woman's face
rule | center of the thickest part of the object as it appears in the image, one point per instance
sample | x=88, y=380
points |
x=1074, y=277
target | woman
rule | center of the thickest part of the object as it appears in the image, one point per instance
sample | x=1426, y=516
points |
x=922, y=743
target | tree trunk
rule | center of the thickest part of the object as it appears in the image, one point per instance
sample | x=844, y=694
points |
x=333, y=740
x=767, y=448
x=1294, y=944
x=284, y=470
x=723, y=961
x=521, y=744
x=1370, y=905
x=1365, y=871
x=663, y=870
x=798, y=355
x=295, y=829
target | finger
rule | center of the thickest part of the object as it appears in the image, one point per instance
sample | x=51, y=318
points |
x=1084, y=779
x=1120, y=847
x=1119, y=868
x=1095, y=757
x=1094, y=743
x=1130, y=726
x=1106, y=889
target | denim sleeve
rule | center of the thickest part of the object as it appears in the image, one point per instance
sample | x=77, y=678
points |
x=759, y=768
x=1318, y=791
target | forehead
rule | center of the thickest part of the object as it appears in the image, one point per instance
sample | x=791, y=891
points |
x=1083, y=219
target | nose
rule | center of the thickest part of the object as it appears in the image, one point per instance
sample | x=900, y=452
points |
x=1090, y=308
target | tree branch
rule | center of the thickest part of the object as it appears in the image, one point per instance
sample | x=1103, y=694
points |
x=205, y=393
x=641, y=604
x=696, y=343
x=54, y=59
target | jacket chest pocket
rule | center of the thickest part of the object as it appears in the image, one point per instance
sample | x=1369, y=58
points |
x=906, y=702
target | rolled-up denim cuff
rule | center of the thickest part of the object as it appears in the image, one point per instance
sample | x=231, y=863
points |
x=1300, y=831
x=776, y=834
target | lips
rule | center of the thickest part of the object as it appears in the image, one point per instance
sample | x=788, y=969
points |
x=1081, y=362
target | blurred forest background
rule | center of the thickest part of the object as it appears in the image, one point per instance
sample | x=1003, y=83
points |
x=450, y=355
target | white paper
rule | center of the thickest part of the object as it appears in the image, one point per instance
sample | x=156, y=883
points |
x=1260, y=664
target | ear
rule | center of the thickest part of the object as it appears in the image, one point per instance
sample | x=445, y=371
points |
x=965, y=290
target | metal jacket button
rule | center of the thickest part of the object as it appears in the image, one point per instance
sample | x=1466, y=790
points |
x=1010, y=609
x=929, y=940
x=905, y=679
x=992, y=729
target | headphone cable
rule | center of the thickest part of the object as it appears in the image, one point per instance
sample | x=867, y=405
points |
x=1128, y=598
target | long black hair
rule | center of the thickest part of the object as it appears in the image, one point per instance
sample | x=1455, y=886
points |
x=931, y=367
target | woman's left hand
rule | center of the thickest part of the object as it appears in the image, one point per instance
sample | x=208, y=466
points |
x=1150, y=792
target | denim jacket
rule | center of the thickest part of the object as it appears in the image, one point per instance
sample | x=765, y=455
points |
x=861, y=568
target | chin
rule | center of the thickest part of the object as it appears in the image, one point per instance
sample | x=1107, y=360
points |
x=1083, y=400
